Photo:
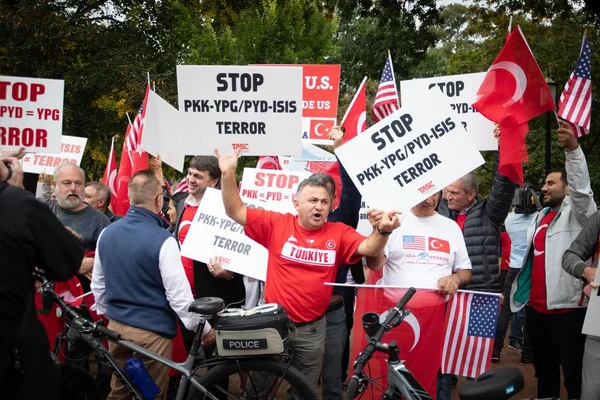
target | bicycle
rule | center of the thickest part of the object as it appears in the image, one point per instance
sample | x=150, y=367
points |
x=259, y=377
x=498, y=384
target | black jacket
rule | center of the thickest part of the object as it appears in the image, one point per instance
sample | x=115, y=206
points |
x=30, y=235
x=482, y=233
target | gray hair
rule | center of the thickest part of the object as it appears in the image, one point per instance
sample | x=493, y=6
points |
x=103, y=191
x=67, y=164
x=319, y=180
x=469, y=182
x=143, y=186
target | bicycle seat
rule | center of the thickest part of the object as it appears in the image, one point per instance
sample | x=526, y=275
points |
x=207, y=305
x=497, y=384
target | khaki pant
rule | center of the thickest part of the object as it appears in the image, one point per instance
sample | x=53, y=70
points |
x=148, y=340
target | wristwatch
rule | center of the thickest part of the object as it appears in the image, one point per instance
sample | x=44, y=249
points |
x=10, y=172
x=383, y=233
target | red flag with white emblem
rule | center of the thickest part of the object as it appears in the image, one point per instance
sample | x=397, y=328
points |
x=110, y=174
x=133, y=158
x=268, y=162
x=513, y=92
x=353, y=122
x=417, y=336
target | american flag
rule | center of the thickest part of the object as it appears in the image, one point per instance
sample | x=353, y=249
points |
x=133, y=140
x=182, y=187
x=471, y=320
x=413, y=242
x=575, y=103
x=386, y=99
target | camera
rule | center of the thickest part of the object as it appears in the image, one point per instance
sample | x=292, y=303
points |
x=526, y=200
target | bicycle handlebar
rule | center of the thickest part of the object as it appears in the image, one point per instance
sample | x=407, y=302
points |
x=78, y=323
x=368, y=351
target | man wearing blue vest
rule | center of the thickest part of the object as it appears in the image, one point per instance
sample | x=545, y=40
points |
x=139, y=282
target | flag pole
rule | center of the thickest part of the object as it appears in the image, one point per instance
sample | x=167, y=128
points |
x=130, y=123
x=509, y=23
x=148, y=76
x=112, y=146
x=353, y=100
x=394, y=80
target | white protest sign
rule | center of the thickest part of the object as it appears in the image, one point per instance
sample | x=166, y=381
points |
x=257, y=110
x=364, y=227
x=271, y=189
x=162, y=132
x=591, y=324
x=409, y=156
x=31, y=114
x=213, y=233
x=460, y=92
x=309, y=152
x=72, y=148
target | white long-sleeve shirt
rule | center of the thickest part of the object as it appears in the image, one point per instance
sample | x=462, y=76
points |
x=177, y=287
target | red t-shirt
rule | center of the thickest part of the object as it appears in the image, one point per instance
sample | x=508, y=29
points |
x=184, y=227
x=460, y=220
x=537, y=297
x=301, y=261
x=505, y=243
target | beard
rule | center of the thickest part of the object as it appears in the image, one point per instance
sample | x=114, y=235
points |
x=552, y=202
x=69, y=202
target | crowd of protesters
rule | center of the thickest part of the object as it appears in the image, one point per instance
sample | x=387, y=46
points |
x=143, y=285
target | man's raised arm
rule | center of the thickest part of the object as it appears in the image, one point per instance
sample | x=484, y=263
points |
x=234, y=207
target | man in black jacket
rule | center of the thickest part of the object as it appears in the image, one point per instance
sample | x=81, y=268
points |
x=480, y=220
x=30, y=236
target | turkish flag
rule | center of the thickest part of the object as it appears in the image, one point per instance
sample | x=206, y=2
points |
x=514, y=87
x=320, y=128
x=268, y=162
x=354, y=122
x=122, y=181
x=110, y=175
x=513, y=92
x=418, y=337
x=355, y=119
x=441, y=245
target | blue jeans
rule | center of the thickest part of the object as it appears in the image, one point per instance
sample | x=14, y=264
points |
x=335, y=340
x=517, y=322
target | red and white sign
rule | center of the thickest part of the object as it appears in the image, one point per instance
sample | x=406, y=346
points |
x=72, y=148
x=31, y=113
x=271, y=189
x=319, y=101
x=223, y=238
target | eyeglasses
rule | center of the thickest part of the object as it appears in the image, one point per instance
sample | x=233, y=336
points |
x=163, y=193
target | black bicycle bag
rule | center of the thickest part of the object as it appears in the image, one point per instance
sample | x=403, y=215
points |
x=258, y=331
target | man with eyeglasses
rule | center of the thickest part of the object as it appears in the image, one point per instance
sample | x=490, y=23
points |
x=75, y=214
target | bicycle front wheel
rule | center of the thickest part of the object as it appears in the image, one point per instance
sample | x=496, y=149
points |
x=256, y=379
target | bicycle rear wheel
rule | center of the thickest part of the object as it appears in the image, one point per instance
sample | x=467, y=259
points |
x=256, y=379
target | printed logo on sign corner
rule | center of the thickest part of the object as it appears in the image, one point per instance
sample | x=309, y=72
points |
x=241, y=146
x=320, y=128
x=224, y=260
x=428, y=187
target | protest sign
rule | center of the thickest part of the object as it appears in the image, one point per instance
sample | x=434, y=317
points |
x=460, y=92
x=320, y=92
x=409, y=156
x=257, y=110
x=591, y=324
x=319, y=102
x=162, y=131
x=71, y=150
x=271, y=189
x=214, y=234
x=31, y=113
x=310, y=152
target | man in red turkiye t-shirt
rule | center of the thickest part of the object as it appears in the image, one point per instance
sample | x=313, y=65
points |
x=204, y=172
x=555, y=304
x=304, y=253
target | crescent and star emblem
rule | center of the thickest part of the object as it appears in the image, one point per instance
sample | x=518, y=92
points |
x=411, y=320
x=111, y=182
x=539, y=228
x=434, y=244
x=520, y=80
x=317, y=127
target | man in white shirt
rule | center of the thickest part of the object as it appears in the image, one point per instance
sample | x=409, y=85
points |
x=139, y=282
